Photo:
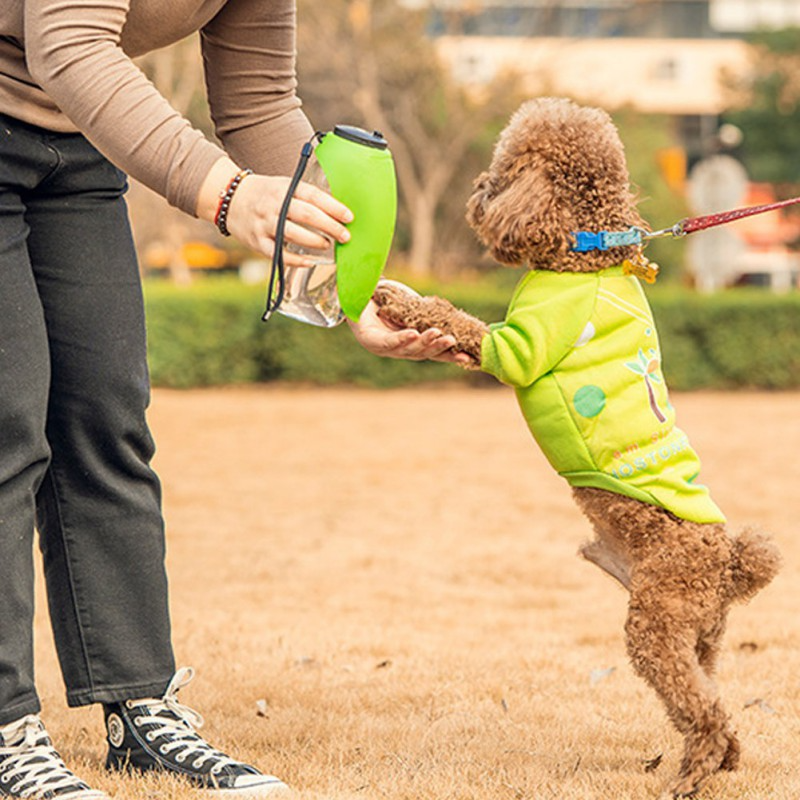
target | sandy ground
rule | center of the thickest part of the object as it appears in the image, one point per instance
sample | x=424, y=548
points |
x=393, y=574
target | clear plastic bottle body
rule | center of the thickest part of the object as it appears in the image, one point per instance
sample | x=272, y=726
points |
x=310, y=293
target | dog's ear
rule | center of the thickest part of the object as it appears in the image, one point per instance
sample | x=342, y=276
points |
x=484, y=190
x=520, y=222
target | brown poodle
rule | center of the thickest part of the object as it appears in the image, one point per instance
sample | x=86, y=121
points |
x=580, y=347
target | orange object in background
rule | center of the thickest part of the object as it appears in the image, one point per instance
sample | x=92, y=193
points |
x=673, y=165
x=201, y=255
x=193, y=255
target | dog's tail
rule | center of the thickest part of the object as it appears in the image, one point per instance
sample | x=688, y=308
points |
x=755, y=561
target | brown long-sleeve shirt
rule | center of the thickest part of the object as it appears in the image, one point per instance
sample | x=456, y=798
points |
x=65, y=65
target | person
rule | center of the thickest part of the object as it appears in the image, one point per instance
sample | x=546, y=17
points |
x=76, y=117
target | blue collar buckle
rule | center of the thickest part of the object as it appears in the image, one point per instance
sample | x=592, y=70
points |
x=586, y=241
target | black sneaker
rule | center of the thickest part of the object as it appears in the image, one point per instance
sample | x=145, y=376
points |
x=161, y=734
x=31, y=768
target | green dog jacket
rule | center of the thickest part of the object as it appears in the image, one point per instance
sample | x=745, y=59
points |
x=581, y=351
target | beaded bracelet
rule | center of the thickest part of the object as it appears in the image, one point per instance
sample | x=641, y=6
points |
x=221, y=217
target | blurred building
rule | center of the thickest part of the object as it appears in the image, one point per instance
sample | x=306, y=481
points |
x=656, y=56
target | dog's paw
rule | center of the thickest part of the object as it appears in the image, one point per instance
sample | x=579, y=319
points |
x=388, y=290
x=396, y=303
x=707, y=756
x=730, y=761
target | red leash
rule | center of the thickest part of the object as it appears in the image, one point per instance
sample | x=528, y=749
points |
x=692, y=224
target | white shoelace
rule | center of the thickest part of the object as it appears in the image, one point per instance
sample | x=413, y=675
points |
x=182, y=732
x=30, y=766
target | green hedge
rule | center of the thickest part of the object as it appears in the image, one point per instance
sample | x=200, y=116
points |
x=211, y=333
x=736, y=339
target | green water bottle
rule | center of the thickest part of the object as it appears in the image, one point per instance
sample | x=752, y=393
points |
x=356, y=167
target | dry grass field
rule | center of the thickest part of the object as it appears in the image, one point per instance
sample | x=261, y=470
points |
x=380, y=594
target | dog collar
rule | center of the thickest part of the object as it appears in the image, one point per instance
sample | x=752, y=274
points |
x=586, y=241
x=639, y=266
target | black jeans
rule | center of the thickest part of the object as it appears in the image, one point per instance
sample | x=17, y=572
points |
x=75, y=448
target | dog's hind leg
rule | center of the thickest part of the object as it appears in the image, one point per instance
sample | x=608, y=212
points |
x=708, y=647
x=663, y=651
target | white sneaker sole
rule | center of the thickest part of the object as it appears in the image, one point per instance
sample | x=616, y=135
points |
x=270, y=789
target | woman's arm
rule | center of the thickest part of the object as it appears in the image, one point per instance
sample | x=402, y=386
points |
x=249, y=56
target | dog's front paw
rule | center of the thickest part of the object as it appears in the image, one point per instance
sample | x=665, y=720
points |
x=396, y=303
x=403, y=307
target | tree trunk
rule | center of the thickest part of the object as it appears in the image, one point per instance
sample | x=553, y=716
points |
x=178, y=268
x=423, y=232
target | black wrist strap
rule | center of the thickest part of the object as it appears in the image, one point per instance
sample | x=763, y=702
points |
x=278, y=273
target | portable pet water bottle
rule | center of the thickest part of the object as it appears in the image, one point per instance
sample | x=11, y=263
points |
x=356, y=167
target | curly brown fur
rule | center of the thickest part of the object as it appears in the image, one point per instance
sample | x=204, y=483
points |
x=559, y=168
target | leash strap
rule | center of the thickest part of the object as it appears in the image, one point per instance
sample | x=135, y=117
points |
x=711, y=220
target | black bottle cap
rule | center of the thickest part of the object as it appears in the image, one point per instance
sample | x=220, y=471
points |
x=360, y=136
